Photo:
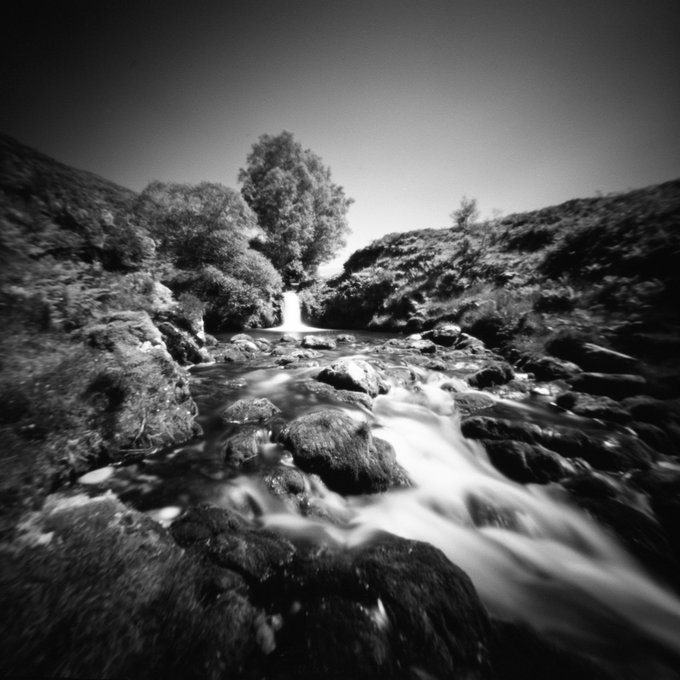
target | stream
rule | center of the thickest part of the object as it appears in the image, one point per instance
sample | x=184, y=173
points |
x=532, y=555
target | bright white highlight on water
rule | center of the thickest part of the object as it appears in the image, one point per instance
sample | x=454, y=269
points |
x=292, y=315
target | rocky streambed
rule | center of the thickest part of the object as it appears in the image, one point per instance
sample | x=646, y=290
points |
x=371, y=506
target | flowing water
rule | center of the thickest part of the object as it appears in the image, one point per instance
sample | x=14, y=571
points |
x=531, y=555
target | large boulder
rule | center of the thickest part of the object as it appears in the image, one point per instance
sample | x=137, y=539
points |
x=182, y=346
x=343, y=452
x=90, y=588
x=354, y=374
x=318, y=342
x=446, y=335
x=494, y=374
x=526, y=463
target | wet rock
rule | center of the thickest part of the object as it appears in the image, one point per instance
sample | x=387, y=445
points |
x=342, y=452
x=346, y=337
x=422, y=346
x=657, y=438
x=401, y=607
x=151, y=610
x=467, y=403
x=354, y=374
x=245, y=343
x=289, y=356
x=244, y=445
x=228, y=540
x=613, y=451
x=591, y=357
x=496, y=374
x=627, y=519
x=333, y=395
x=547, y=368
x=591, y=406
x=526, y=463
x=230, y=355
x=250, y=411
x=446, y=335
x=318, y=342
x=288, y=339
x=663, y=413
x=471, y=344
x=181, y=345
x=615, y=385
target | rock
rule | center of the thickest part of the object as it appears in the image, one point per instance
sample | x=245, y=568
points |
x=227, y=539
x=590, y=406
x=401, y=607
x=547, y=368
x=231, y=355
x=145, y=600
x=446, y=335
x=250, y=411
x=318, y=342
x=356, y=375
x=497, y=374
x=244, y=342
x=342, y=452
x=244, y=445
x=288, y=356
x=467, y=403
x=288, y=339
x=346, y=337
x=182, y=347
x=591, y=357
x=422, y=346
x=614, y=451
x=526, y=463
x=331, y=395
x=615, y=385
x=470, y=343
x=664, y=413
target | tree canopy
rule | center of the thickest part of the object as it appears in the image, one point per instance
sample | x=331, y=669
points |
x=302, y=212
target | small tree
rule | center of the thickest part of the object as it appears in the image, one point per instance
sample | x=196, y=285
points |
x=466, y=214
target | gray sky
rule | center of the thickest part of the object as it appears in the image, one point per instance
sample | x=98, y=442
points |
x=520, y=104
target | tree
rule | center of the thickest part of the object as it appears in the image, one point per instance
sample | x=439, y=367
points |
x=302, y=212
x=466, y=214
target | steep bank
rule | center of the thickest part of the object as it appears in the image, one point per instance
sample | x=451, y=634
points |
x=100, y=316
x=604, y=267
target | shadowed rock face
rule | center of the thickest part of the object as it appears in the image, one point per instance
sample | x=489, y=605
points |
x=343, y=452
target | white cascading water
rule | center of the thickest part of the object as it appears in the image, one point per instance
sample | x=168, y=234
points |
x=530, y=556
x=292, y=315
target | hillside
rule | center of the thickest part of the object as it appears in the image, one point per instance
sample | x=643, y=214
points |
x=606, y=266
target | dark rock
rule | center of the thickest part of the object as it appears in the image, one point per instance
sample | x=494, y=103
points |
x=181, y=345
x=228, y=540
x=548, y=368
x=244, y=445
x=591, y=357
x=470, y=343
x=526, y=463
x=250, y=411
x=446, y=335
x=615, y=385
x=318, y=342
x=497, y=374
x=591, y=406
x=231, y=355
x=354, y=374
x=657, y=438
x=401, y=607
x=151, y=609
x=342, y=452
x=662, y=412
x=613, y=451
x=346, y=337
x=132, y=329
x=554, y=301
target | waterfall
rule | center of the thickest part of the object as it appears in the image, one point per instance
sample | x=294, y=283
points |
x=292, y=315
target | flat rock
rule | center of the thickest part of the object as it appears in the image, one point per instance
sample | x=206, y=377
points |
x=354, y=374
x=526, y=463
x=319, y=342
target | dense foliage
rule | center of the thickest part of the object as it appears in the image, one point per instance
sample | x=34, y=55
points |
x=302, y=212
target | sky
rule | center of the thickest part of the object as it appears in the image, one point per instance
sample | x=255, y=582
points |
x=520, y=104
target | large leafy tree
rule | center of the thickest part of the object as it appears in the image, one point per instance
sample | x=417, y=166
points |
x=302, y=212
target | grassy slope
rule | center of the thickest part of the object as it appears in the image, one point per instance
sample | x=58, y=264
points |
x=606, y=265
